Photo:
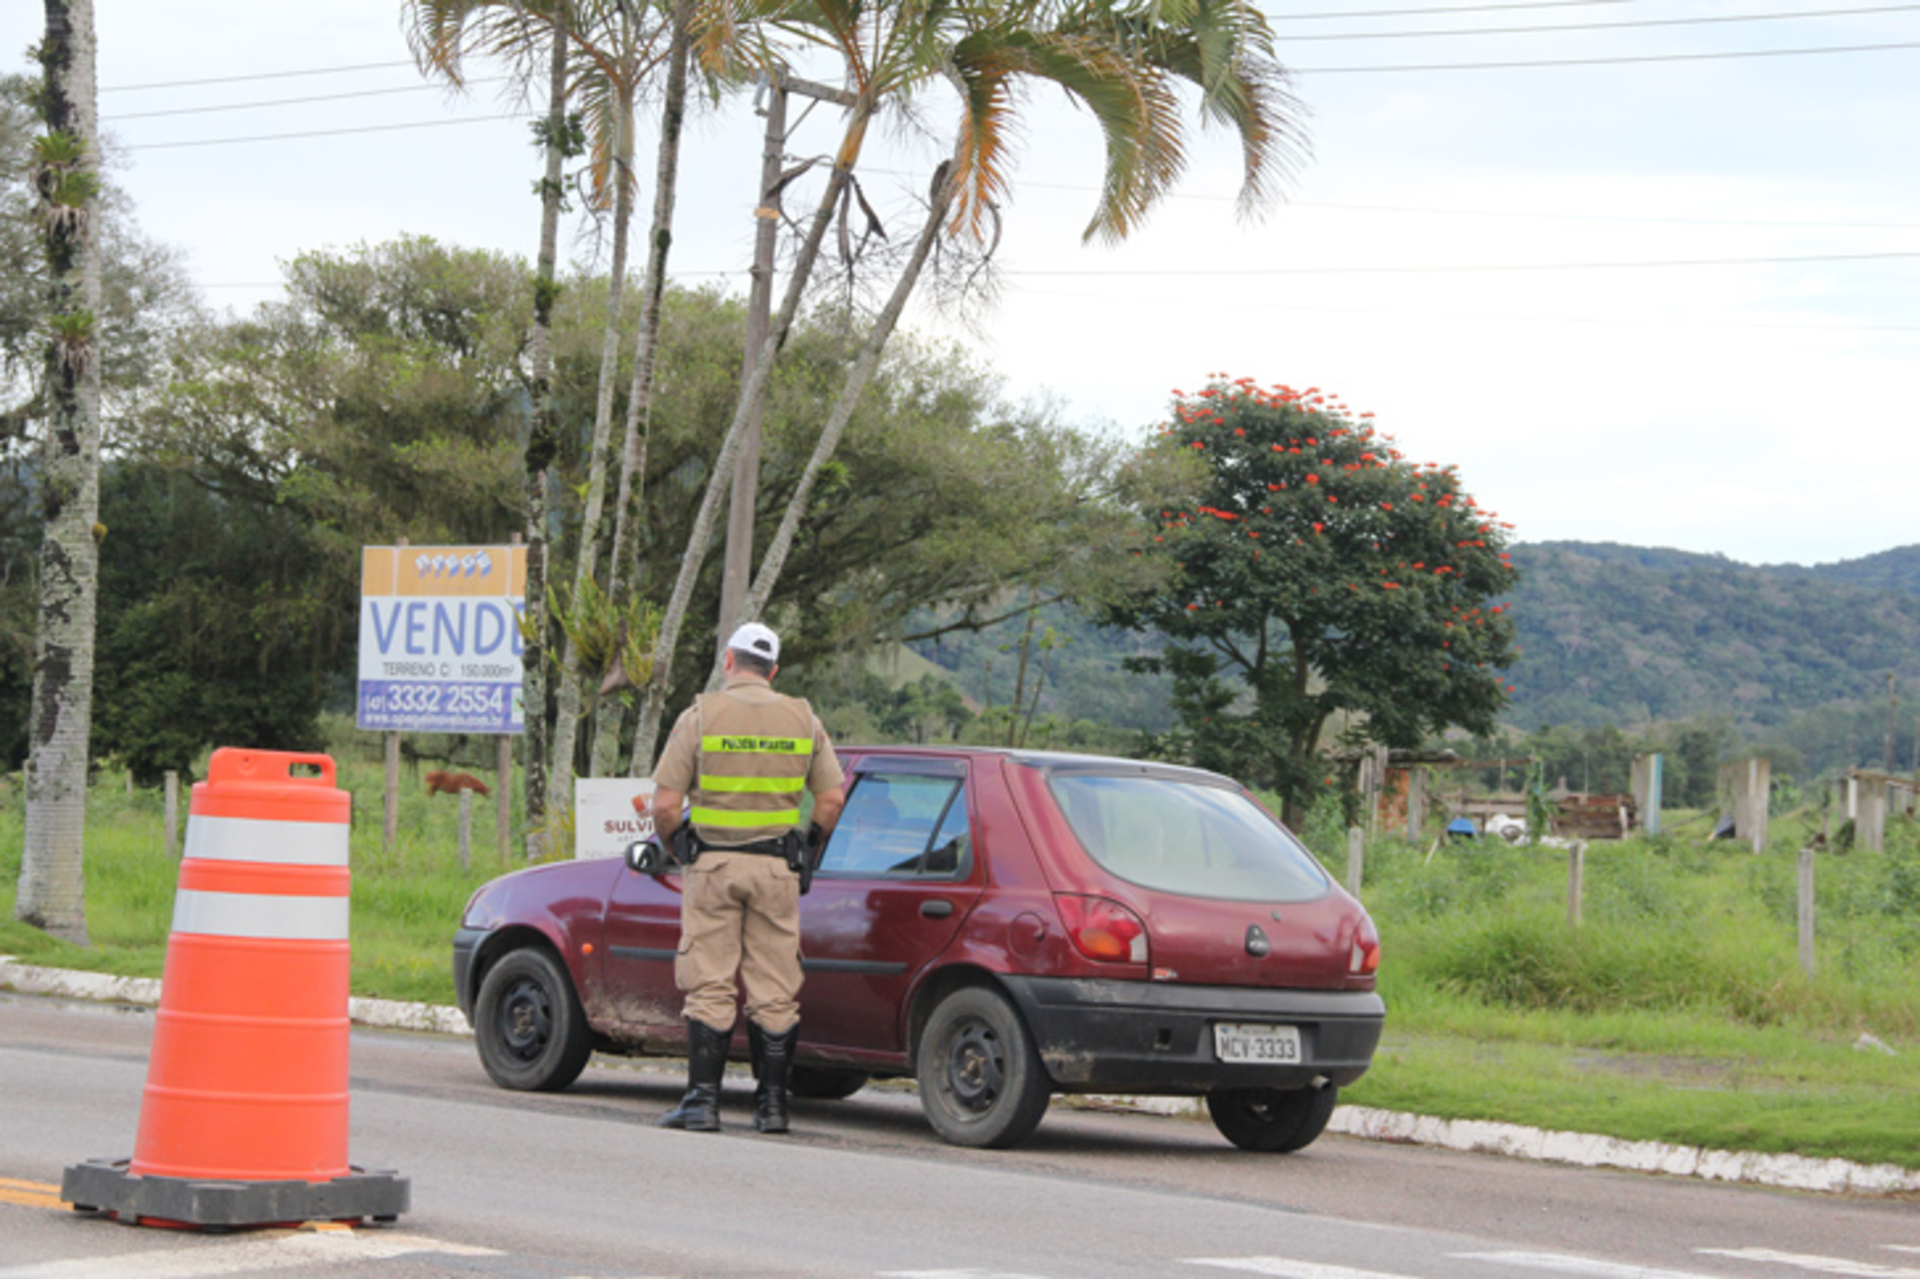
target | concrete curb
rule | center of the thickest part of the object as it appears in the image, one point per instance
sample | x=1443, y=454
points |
x=1790, y=1172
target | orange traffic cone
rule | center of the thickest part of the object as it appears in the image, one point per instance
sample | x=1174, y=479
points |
x=244, y=1117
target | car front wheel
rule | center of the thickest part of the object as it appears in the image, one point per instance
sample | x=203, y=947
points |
x=981, y=1082
x=528, y=1023
x=1271, y=1120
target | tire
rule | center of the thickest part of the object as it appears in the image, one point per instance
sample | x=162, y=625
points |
x=1272, y=1121
x=528, y=1023
x=981, y=1082
x=824, y=1083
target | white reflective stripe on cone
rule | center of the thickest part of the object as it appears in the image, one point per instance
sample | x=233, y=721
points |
x=263, y=915
x=249, y=839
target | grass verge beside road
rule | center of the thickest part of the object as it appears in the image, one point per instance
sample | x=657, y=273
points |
x=1675, y=1013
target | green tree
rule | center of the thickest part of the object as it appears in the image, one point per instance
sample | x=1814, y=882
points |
x=210, y=631
x=145, y=300
x=66, y=175
x=1318, y=573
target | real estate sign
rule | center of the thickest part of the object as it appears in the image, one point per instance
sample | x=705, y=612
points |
x=440, y=638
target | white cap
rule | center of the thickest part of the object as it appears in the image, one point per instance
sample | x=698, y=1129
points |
x=756, y=639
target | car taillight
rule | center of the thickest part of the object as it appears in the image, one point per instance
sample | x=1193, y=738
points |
x=1103, y=929
x=1365, y=960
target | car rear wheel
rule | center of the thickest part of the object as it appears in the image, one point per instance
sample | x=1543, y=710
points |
x=1271, y=1120
x=981, y=1082
x=528, y=1023
x=823, y=1083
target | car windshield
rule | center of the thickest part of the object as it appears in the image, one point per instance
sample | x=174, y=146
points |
x=1187, y=838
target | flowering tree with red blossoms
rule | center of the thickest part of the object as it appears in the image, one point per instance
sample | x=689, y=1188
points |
x=1318, y=571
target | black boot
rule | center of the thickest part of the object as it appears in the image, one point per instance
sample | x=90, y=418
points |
x=699, y=1110
x=773, y=1067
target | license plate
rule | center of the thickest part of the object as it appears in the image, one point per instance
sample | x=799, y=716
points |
x=1235, y=1042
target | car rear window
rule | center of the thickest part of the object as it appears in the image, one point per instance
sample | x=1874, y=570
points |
x=1187, y=838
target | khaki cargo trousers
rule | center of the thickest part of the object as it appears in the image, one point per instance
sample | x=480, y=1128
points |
x=740, y=914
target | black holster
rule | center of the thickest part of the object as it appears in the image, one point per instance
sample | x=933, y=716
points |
x=802, y=852
x=684, y=846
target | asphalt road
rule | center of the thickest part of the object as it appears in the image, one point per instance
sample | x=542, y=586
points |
x=581, y=1183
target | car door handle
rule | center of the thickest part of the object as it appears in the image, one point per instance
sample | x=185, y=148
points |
x=936, y=908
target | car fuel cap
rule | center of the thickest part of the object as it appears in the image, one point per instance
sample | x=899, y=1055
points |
x=1257, y=943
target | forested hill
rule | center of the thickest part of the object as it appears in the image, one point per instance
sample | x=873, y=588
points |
x=1626, y=634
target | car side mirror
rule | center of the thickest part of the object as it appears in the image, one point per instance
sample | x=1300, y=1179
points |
x=646, y=857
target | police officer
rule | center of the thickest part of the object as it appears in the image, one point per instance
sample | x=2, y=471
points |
x=743, y=754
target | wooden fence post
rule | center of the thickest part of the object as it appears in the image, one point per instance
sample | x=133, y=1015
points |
x=1576, y=875
x=173, y=815
x=466, y=830
x=1806, y=911
x=1356, y=858
x=390, y=823
x=503, y=798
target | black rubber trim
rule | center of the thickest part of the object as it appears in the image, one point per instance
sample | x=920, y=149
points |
x=868, y=967
x=639, y=952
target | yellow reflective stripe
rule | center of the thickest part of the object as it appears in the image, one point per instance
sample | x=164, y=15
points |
x=720, y=817
x=729, y=745
x=753, y=785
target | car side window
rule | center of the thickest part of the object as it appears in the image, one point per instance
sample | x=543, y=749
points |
x=888, y=824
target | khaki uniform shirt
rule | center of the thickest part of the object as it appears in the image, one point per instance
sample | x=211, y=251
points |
x=743, y=755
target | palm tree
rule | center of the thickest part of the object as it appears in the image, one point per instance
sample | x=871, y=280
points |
x=601, y=53
x=623, y=562
x=51, y=892
x=1119, y=60
x=1116, y=62
x=441, y=32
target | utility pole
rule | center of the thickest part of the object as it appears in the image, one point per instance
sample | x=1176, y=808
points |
x=736, y=575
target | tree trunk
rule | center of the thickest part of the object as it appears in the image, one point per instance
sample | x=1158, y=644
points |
x=51, y=890
x=858, y=378
x=566, y=723
x=623, y=567
x=752, y=390
x=542, y=445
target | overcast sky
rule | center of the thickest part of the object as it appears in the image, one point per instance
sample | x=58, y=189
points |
x=1639, y=291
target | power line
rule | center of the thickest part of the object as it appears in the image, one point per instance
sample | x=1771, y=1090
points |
x=260, y=75
x=1604, y=26
x=326, y=133
x=1483, y=268
x=1595, y=62
x=1257, y=304
x=1629, y=218
x=289, y=102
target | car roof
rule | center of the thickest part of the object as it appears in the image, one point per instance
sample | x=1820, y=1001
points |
x=1054, y=761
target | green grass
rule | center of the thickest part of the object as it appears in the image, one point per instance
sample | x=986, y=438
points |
x=1676, y=1012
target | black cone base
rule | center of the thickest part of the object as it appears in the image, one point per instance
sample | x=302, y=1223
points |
x=106, y=1186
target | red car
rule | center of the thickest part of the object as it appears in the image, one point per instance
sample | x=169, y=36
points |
x=1001, y=925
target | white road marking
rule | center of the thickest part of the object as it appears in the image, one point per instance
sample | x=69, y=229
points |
x=235, y=1254
x=1567, y=1264
x=1819, y=1265
x=1287, y=1268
